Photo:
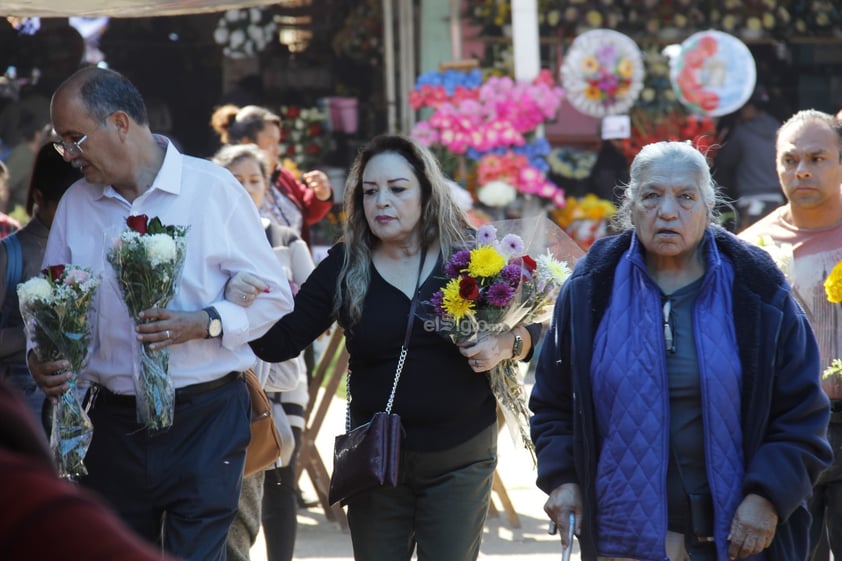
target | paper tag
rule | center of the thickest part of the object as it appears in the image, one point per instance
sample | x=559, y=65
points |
x=616, y=126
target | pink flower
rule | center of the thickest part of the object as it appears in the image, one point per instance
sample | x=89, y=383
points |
x=76, y=276
x=424, y=133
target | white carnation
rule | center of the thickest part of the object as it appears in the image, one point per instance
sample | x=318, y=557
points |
x=36, y=288
x=496, y=194
x=160, y=248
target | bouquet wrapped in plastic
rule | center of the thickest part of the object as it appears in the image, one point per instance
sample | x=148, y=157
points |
x=498, y=285
x=147, y=259
x=55, y=307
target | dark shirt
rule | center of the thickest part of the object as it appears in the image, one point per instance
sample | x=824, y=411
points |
x=441, y=401
x=686, y=427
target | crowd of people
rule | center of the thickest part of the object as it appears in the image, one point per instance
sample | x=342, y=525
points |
x=679, y=408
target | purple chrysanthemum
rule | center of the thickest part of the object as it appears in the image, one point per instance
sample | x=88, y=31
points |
x=486, y=234
x=512, y=245
x=458, y=262
x=511, y=274
x=438, y=303
x=499, y=294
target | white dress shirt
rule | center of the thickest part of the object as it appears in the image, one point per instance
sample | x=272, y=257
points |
x=225, y=237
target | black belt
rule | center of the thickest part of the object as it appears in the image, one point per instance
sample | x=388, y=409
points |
x=181, y=394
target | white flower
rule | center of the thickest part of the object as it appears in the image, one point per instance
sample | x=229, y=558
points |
x=238, y=37
x=551, y=271
x=255, y=32
x=220, y=35
x=36, y=288
x=160, y=248
x=511, y=246
x=232, y=15
x=496, y=194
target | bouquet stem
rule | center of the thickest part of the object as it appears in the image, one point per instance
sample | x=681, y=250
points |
x=154, y=389
x=507, y=388
x=71, y=433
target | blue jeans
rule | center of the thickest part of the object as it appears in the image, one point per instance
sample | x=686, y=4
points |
x=19, y=377
x=178, y=487
x=826, y=503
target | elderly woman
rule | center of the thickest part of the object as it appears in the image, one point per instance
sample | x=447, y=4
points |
x=402, y=226
x=678, y=411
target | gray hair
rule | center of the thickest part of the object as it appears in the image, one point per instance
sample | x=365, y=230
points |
x=230, y=154
x=652, y=157
x=105, y=91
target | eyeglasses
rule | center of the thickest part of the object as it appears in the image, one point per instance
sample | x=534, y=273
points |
x=70, y=149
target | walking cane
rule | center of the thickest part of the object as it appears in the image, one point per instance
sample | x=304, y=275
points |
x=565, y=553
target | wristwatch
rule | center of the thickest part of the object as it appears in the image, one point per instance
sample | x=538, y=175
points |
x=517, y=346
x=214, y=322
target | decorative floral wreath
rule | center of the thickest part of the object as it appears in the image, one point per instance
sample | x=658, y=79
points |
x=714, y=73
x=602, y=73
x=244, y=33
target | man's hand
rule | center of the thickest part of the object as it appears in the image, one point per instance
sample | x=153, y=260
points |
x=51, y=377
x=753, y=527
x=161, y=327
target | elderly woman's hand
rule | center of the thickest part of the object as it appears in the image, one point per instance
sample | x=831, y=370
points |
x=564, y=499
x=243, y=288
x=753, y=527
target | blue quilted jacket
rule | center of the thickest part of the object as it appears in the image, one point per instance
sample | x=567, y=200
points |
x=764, y=427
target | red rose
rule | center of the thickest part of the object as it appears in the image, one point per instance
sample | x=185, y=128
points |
x=290, y=151
x=54, y=271
x=313, y=149
x=468, y=288
x=315, y=129
x=529, y=264
x=293, y=112
x=137, y=223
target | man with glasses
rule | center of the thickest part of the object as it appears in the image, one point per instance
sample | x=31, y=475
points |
x=177, y=486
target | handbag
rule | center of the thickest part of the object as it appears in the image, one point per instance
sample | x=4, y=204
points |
x=369, y=456
x=265, y=444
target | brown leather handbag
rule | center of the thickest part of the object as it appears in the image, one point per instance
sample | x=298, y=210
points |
x=265, y=445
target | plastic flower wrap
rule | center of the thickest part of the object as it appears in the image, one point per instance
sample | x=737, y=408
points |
x=55, y=307
x=782, y=256
x=498, y=285
x=147, y=260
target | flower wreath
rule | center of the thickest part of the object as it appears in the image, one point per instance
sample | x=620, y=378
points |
x=602, y=73
x=244, y=33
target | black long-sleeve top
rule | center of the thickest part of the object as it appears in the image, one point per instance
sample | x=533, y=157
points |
x=440, y=400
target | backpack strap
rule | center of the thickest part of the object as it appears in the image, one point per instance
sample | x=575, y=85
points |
x=14, y=272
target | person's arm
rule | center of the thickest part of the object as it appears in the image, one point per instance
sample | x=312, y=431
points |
x=312, y=207
x=794, y=448
x=551, y=401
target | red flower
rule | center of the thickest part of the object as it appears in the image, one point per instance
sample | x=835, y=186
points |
x=137, y=223
x=290, y=150
x=315, y=129
x=293, y=112
x=312, y=149
x=529, y=264
x=468, y=288
x=54, y=271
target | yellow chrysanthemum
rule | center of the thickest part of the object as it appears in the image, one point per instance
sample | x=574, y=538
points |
x=485, y=262
x=833, y=284
x=452, y=302
x=593, y=93
x=625, y=69
x=590, y=64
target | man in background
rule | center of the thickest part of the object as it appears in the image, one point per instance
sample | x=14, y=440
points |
x=809, y=166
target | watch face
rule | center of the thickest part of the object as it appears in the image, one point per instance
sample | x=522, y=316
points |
x=517, y=347
x=214, y=328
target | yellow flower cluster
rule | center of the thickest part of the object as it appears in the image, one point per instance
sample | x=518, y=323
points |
x=485, y=262
x=589, y=207
x=453, y=303
x=833, y=284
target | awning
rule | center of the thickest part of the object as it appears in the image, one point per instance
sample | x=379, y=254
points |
x=120, y=8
